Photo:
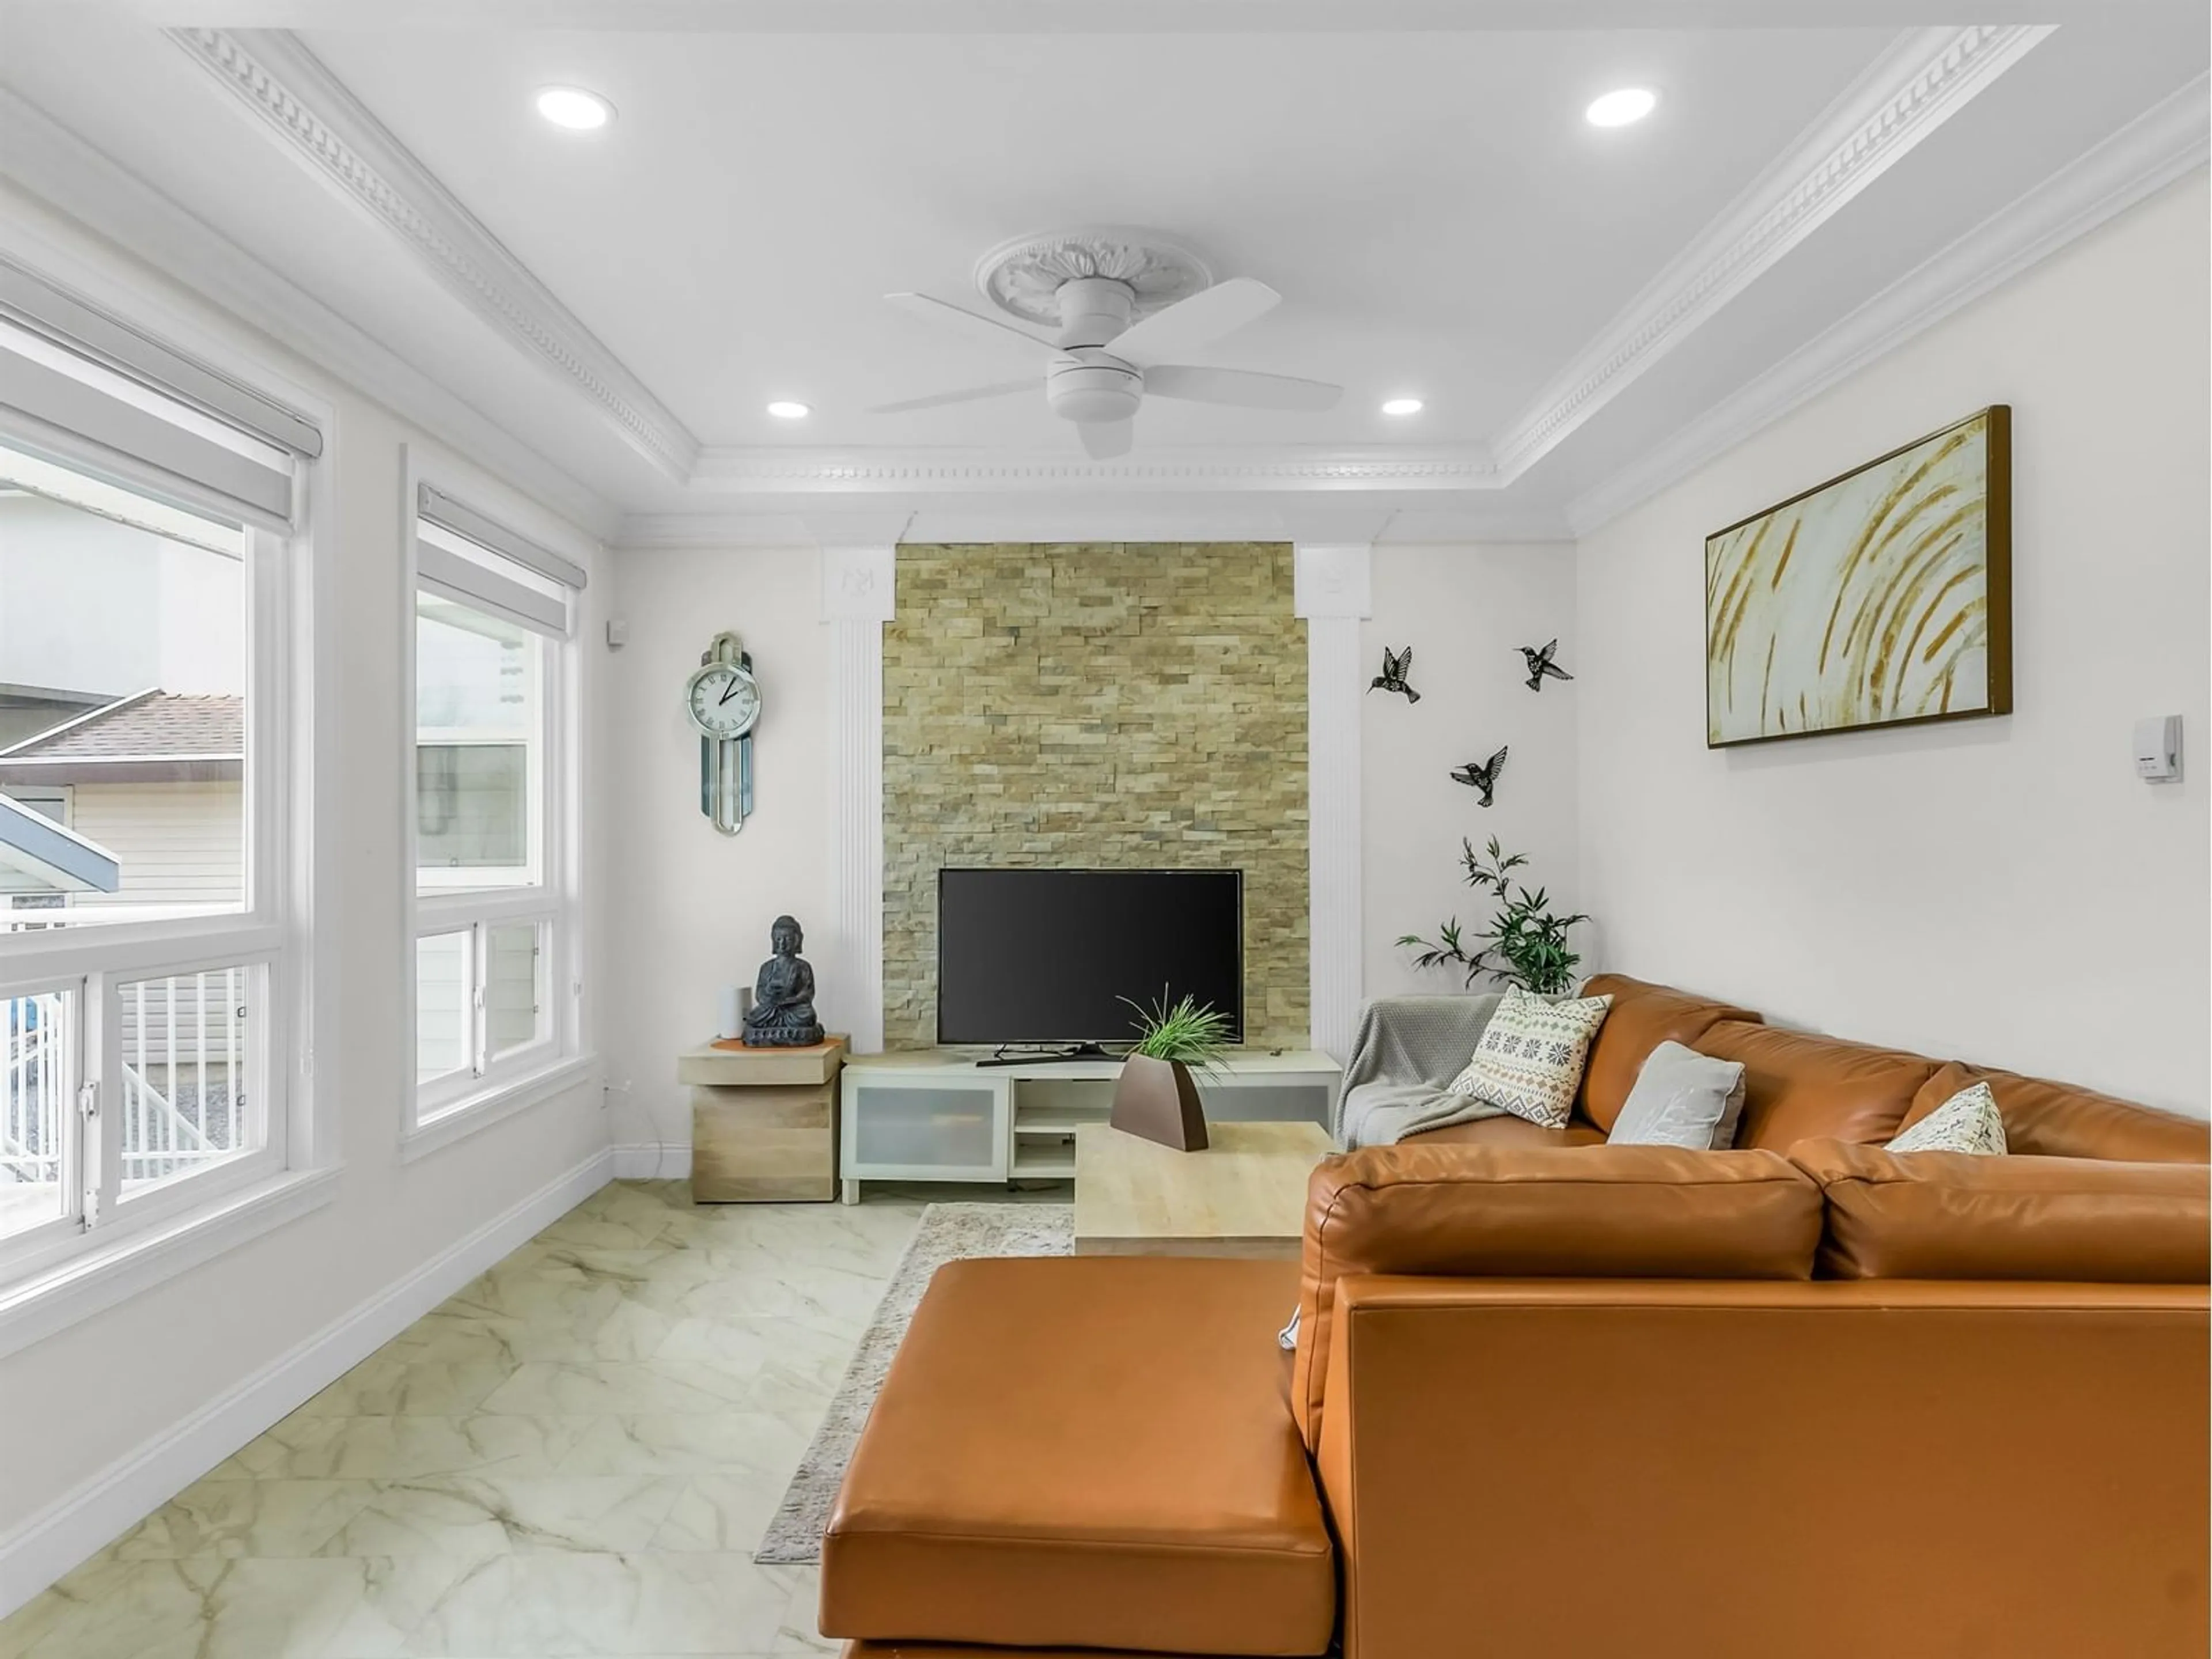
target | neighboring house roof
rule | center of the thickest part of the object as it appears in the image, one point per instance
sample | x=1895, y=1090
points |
x=152, y=736
x=38, y=855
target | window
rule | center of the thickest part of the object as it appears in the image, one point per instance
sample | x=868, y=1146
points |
x=150, y=972
x=122, y=654
x=493, y=775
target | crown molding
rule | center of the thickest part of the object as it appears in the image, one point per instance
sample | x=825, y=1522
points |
x=2151, y=152
x=53, y=164
x=310, y=114
x=744, y=471
x=1923, y=79
x=1194, y=519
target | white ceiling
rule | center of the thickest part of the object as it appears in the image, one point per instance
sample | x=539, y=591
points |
x=1437, y=217
x=1574, y=305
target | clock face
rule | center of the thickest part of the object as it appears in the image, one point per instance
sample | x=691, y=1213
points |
x=723, y=701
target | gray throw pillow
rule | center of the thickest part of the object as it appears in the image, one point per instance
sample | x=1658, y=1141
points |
x=1681, y=1098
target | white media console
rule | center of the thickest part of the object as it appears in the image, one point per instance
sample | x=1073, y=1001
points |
x=929, y=1115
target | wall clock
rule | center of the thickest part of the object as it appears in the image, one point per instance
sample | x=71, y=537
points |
x=723, y=699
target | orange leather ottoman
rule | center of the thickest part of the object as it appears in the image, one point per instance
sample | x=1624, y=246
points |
x=1092, y=1452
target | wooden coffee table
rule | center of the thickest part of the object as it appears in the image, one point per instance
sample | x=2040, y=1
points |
x=1245, y=1196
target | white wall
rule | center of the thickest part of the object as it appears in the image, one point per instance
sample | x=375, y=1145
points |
x=1466, y=611
x=2001, y=890
x=690, y=907
x=123, y=1381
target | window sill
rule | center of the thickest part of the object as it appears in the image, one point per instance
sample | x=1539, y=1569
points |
x=495, y=1104
x=35, y=1308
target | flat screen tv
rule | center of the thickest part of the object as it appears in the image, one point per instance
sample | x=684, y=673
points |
x=1046, y=956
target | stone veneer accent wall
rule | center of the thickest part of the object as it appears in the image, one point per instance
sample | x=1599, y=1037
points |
x=1101, y=705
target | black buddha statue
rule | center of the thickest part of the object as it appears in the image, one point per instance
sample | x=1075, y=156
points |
x=782, y=1014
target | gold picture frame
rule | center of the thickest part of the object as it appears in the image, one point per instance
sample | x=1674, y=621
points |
x=1881, y=597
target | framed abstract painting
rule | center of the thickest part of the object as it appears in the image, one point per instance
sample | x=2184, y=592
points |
x=1881, y=597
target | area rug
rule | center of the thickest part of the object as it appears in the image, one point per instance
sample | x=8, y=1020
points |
x=948, y=1232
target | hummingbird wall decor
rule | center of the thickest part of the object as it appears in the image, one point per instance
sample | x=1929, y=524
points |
x=1481, y=775
x=1541, y=665
x=1395, y=670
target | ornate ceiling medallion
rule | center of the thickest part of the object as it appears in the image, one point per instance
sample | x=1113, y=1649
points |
x=1022, y=276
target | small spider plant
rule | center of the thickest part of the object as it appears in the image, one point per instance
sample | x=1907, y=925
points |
x=1191, y=1032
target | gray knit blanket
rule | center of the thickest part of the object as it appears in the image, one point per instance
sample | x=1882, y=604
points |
x=1407, y=1049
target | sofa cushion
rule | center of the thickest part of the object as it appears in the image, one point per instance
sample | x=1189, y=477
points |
x=1087, y=1451
x=1958, y=1215
x=1798, y=1086
x=1642, y=1017
x=2056, y=1119
x=1552, y=1212
x=1507, y=1130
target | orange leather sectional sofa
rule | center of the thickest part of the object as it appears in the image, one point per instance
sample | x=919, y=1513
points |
x=1803, y=1398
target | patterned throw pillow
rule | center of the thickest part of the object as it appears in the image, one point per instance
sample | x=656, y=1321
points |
x=1529, y=1061
x=1967, y=1122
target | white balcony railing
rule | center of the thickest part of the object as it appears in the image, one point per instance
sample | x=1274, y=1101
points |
x=182, y=1100
x=34, y=1072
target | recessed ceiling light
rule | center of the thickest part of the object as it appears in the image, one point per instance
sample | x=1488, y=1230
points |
x=573, y=107
x=1402, y=406
x=1618, y=109
x=784, y=410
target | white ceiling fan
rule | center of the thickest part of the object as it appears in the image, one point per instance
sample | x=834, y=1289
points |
x=1106, y=356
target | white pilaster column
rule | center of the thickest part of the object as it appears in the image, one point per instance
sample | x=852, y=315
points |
x=1332, y=596
x=859, y=591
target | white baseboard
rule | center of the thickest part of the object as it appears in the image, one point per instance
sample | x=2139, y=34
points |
x=66, y=1533
x=653, y=1160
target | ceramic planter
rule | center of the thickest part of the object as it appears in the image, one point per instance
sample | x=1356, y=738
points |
x=1156, y=1099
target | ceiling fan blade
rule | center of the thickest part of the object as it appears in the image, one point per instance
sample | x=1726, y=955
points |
x=1239, y=386
x=1103, y=440
x=1188, y=323
x=969, y=324
x=966, y=395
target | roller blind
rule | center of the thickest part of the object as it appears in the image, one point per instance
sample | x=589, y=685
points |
x=464, y=521
x=451, y=576
x=81, y=386
x=495, y=570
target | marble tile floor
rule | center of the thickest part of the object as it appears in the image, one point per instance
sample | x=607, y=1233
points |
x=575, y=1455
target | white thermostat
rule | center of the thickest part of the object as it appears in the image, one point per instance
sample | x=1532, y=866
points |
x=2158, y=749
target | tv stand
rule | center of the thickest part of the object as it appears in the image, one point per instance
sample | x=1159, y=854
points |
x=1074, y=1051
x=946, y=1114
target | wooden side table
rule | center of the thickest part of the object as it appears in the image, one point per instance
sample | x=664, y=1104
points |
x=1244, y=1195
x=763, y=1121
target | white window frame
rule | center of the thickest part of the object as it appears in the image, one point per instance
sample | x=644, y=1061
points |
x=441, y=1111
x=111, y=1247
x=134, y=1248
x=96, y=958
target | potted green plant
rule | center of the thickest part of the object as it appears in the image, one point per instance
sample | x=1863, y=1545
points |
x=1525, y=943
x=1155, y=1096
